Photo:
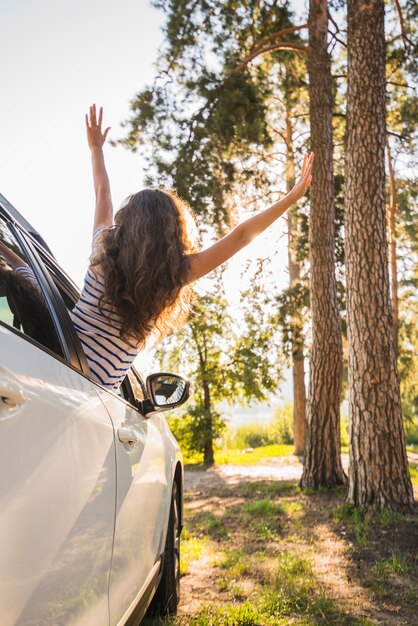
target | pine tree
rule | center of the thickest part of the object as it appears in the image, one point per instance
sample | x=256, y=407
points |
x=322, y=448
x=378, y=465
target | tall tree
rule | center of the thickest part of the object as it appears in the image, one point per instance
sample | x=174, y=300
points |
x=393, y=256
x=378, y=464
x=290, y=85
x=401, y=139
x=298, y=359
x=322, y=443
x=224, y=366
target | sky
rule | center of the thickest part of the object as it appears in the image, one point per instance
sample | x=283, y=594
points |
x=58, y=57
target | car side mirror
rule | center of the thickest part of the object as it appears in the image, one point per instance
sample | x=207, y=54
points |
x=165, y=391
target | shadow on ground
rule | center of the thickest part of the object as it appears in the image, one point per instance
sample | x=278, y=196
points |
x=262, y=552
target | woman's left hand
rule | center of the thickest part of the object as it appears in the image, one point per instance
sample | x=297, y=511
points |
x=95, y=136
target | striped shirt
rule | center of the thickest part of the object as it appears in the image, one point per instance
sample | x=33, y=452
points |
x=108, y=355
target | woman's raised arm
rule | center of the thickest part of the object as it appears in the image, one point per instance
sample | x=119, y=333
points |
x=205, y=261
x=103, y=215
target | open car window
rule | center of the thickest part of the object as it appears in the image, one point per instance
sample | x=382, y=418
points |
x=138, y=387
x=23, y=305
x=69, y=295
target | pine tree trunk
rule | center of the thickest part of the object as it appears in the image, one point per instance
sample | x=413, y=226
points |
x=378, y=464
x=298, y=362
x=322, y=441
x=393, y=261
x=208, y=453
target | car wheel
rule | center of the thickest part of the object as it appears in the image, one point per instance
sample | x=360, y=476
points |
x=167, y=596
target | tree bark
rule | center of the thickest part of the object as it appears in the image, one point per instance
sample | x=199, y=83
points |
x=393, y=261
x=208, y=454
x=298, y=362
x=379, y=474
x=322, y=440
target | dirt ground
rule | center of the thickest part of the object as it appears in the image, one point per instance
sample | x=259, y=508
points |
x=369, y=571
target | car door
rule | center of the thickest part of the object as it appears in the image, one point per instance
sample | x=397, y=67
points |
x=145, y=454
x=57, y=461
x=143, y=500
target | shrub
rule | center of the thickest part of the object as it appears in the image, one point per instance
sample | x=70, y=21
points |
x=256, y=435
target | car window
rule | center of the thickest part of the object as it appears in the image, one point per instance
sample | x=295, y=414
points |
x=23, y=306
x=70, y=297
x=138, y=387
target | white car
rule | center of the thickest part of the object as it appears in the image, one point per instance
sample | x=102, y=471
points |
x=90, y=480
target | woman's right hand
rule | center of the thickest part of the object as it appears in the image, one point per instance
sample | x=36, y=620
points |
x=304, y=180
x=95, y=136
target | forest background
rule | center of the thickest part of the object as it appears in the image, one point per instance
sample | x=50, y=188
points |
x=242, y=89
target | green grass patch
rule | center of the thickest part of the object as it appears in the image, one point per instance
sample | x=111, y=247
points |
x=271, y=488
x=351, y=515
x=291, y=588
x=191, y=549
x=265, y=529
x=245, y=614
x=360, y=520
x=264, y=507
x=396, y=564
x=236, y=564
x=385, y=572
x=252, y=456
x=413, y=472
x=207, y=523
x=249, y=456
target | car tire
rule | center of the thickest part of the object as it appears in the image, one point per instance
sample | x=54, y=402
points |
x=167, y=596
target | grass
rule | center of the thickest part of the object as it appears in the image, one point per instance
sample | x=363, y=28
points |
x=413, y=472
x=264, y=507
x=396, y=564
x=385, y=575
x=272, y=489
x=192, y=549
x=285, y=590
x=250, y=456
x=362, y=521
x=209, y=525
x=264, y=539
x=263, y=572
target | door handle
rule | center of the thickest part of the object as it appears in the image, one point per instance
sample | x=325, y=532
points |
x=11, y=395
x=127, y=436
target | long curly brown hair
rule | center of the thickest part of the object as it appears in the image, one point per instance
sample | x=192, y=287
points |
x=144, y=261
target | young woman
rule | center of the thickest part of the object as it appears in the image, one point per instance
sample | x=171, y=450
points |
x=143, y=263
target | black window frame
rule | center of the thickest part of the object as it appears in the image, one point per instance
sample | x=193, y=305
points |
x=14, y=231
x=49, y=266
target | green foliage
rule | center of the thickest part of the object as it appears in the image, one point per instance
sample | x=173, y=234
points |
x=413, y=471
x=248, y=436
x=217, y=135
x=195, y=427
x=223, y=367
x=278, y=431
x=282, y=424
